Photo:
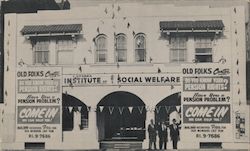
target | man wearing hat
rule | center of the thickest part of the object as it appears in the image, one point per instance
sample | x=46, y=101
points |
x=174, y=133
x=163, y=135
x=152, y=134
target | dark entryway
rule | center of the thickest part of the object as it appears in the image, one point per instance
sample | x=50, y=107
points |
x=70, y=105
x=121, y=117
x=167, y=106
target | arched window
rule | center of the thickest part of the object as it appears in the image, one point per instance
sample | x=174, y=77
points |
x=101, y=48
x=140, y=48
x=121, y=48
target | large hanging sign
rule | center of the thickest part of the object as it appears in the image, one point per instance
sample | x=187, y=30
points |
x=206, y=103
x=108, y=79
x=38, y=104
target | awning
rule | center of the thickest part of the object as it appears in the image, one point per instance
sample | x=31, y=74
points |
x=60, y=29
x=192, y=26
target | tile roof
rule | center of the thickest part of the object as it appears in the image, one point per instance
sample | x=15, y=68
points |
x=45, y=29
x=189, y=25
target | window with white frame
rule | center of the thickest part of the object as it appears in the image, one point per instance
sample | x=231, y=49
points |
x=140, y=48
x=101, y=48
x=121, y=48
x=41, y=51
x=178, y=50
x=65, y=53
x=203, y=49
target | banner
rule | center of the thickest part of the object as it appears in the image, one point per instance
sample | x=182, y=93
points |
x=108, y=79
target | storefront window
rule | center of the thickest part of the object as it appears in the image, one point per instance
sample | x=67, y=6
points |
x=121, y=48
x=64, y=51
x=140, y=48
x=41, y=51
x=203, y=49
x=178, y=49
x=101, y=49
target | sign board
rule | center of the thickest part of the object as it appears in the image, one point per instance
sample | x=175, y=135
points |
x=38, y=104
x=123, y=79
x=206, y=103
x=206, y=113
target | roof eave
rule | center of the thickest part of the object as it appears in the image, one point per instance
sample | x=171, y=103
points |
x=52, y=34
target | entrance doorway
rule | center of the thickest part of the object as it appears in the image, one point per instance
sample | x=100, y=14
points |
x=168, y=108
x=75, y=113
x=121, y=117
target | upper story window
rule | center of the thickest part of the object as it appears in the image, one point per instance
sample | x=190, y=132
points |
x=101, y=48
x=178, y=49
x=140, y=48
x=41, y=51
x=121, y=48
x=203, y=49
x=65, y=49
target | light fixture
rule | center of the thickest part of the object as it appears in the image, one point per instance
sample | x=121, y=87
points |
x=150, y=59
x=80, y=68
x=159, y=70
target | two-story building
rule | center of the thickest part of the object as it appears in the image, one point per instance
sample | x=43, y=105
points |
x=94, y=76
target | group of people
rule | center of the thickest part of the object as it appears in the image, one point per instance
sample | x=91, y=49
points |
x=161, y=130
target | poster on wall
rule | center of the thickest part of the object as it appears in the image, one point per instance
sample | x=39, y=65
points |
x=206, y=103
x=38, y=104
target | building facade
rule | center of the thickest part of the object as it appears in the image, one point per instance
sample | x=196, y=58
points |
x=25, y=6
x=93, y=77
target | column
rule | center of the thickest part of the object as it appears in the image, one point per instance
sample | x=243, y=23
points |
x=92, y=124
x=93, y=130
x=77, y=121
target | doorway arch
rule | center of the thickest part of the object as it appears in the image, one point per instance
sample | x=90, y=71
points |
x=121, y=116
x=167, y=106
x=70, y=105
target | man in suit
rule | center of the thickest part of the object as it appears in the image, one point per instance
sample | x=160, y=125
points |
x=163, y=135
x=174, y=133
x=152, y=134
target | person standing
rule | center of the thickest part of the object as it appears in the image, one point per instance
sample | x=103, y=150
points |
x=152, y=134
x=163, y=135
x=174, y=133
